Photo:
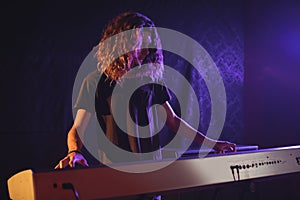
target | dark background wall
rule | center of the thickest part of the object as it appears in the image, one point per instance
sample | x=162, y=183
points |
x=255, y=46
x=272, y=69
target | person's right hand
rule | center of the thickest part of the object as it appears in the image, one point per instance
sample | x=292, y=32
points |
x=70, y=160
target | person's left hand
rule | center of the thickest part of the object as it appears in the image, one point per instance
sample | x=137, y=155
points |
x=224, y=146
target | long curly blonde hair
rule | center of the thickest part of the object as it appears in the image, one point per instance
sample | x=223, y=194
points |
x=114, y=42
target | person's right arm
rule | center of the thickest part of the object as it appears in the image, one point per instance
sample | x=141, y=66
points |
x=74, y=142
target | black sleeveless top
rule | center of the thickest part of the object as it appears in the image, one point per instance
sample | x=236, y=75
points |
x=141, y=111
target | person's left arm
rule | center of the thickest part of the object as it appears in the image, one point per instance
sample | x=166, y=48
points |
x=173, y=122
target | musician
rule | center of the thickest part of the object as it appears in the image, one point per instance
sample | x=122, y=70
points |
x=109, y=74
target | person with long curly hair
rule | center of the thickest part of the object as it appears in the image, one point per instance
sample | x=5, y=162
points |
x=123, y=54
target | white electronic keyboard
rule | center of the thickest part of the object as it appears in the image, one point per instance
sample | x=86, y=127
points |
x=108, y=183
